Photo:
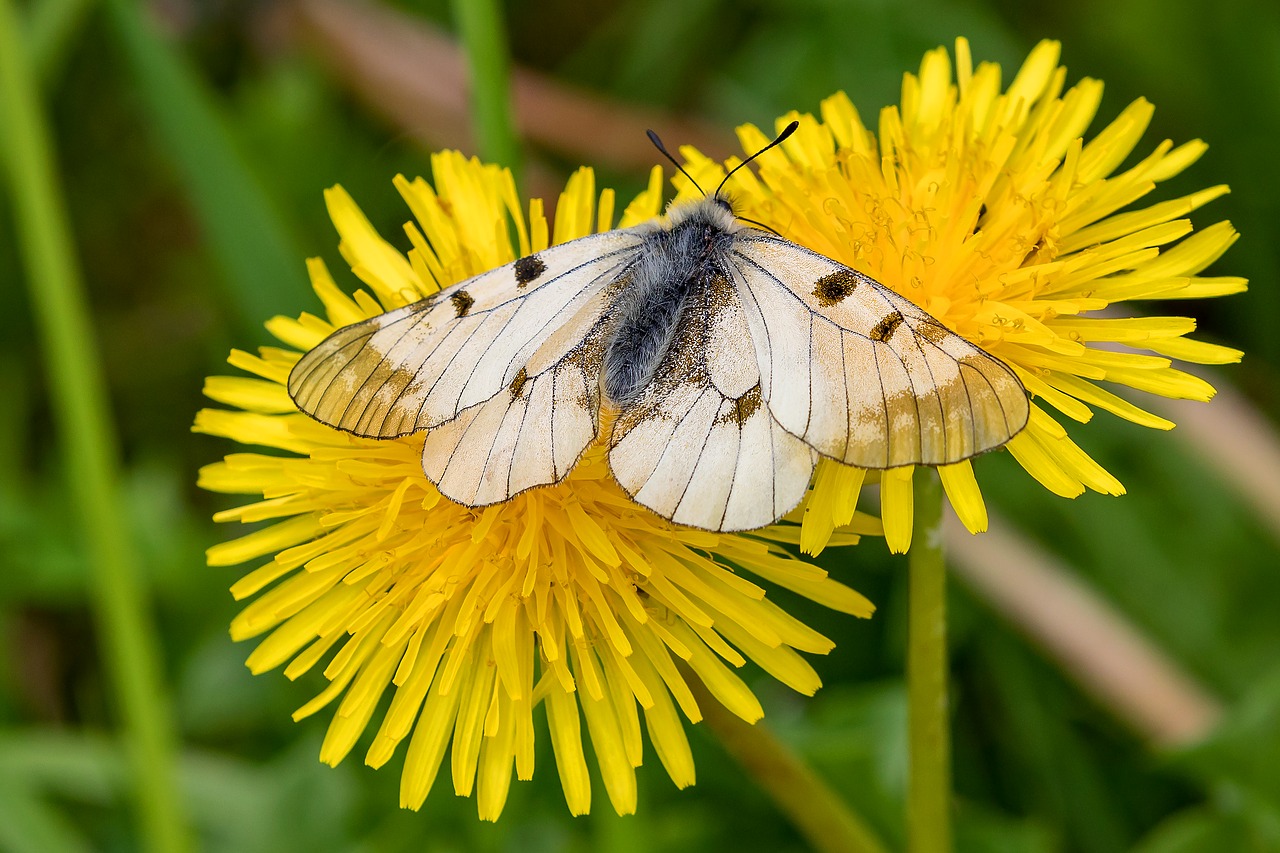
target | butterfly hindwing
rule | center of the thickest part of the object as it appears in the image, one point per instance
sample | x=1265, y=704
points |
x=862, y=374
x=698, y=446
x=422, y=365
x=531, y=434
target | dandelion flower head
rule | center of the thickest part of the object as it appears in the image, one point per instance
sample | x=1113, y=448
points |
x=988, y=208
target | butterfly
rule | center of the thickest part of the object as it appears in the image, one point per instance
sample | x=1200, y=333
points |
x=727, y=359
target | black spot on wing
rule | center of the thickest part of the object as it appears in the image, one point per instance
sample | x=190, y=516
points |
x=618, y=269
x=886, y=327
x=835, y=288
x=462, y=302
x=743, y=261
x=517, y=384
x=529, y=269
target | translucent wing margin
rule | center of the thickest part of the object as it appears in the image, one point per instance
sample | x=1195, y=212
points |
x=861, y=374
x=422, y=365
x=698, y=447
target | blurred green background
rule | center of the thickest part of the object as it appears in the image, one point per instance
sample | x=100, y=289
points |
x=193, y=139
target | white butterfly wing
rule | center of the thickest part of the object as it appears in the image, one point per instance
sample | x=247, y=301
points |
x=698, y=446
x=422, y=365
x=531, y=434
x=861, y=374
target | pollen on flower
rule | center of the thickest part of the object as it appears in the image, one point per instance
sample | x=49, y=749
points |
x=989, y=209
x=570, y=596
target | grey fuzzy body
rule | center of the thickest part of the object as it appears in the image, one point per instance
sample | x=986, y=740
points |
x=675, y=265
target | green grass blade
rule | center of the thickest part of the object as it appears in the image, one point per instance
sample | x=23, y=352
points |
x=88, y=443
x=480, y=26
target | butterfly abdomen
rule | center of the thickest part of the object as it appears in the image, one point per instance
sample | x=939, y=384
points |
x=673, y=264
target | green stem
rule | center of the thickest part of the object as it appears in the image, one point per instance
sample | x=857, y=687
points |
x=819, y=814
x=88, y=443
x=929, y=737
x=483, y=36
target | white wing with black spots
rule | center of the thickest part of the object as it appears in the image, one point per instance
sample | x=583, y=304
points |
x=422, y=365
x=861, y=374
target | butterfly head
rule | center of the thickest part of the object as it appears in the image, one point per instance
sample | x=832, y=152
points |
x=716, y=207
x=714, y=211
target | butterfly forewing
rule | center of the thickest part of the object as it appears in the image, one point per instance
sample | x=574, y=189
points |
x=860, y=373
x=422, y=365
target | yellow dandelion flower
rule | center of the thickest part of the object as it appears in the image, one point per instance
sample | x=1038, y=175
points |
x=988, y=209
x=569, y=595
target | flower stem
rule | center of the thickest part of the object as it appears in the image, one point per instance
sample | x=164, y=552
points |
x=88, y=444
x=825, y=820
x=484, y=38
x=929, y=738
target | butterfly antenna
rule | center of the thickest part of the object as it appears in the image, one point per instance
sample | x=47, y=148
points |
x=761, y=224
x=786, y=131
x=657, y=143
